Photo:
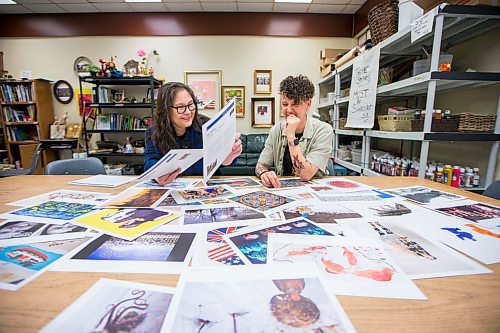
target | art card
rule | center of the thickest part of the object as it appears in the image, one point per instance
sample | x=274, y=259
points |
x=169, y=202
x=482, y=216
x=103, y=181
x=418, y=256
x=359, y=267
x=115, y=306
x=15, y=232
x=252, y=241
x=297, y=193
x=319, y=212
x=234, y=183
x=157, y=252
x=21, y=263
x=424, y=195
x=54, y=212
x=126, y=223
x=343, y=184
x=263, y=201
x=176, y=184
x=394, y=208
x=92, y=198
x=137, y=198
x=335, y=196
x=289, y=183
x=213, y=250
x=201, y=193
x=257, y=299
x=233, y=215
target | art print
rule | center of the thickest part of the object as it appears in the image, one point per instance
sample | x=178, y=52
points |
x=292, y=300
x=343, y=184
x=335, y=196
x=297, y=193
x=234, y=183
x=137, y=198
x=229, y=215
x=418, y=256
x=160, y=251
x=92, y=198
x=359, y=267
x=21, y=263
x=263, y=201
x=290, y=183
x=424, y=195
x=481, y=215
x=15, y=232
x=319, y=213
x=215, y=251
x=169, y=202
x=252, y=242
x=116, y=306
x=201, y=193
x=176, y=184
x=50, y=212
x=126, y=223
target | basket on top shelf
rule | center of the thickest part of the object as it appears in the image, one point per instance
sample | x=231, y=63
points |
x=438, y=125
x=383, y=20
x=472, y=122
x=395, y=123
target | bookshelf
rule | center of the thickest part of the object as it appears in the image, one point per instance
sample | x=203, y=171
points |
x=27, y=112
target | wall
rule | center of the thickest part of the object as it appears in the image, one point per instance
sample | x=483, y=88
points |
x=236, y=56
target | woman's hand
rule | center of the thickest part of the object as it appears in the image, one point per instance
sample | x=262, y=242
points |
x=270, y=179
x=235, y=150
x=169, y=177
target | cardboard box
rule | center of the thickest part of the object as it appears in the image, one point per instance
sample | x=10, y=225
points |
x=326, y=70
x=27, y=152
x=326, y=61
x=330, y=53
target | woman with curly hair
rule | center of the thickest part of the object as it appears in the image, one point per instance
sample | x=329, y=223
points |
x=177, y=125
x=299, y=145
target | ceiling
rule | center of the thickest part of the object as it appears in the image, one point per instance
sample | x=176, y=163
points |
x=120, y=6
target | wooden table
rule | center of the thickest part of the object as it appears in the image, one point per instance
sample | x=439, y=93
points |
x=459, y=304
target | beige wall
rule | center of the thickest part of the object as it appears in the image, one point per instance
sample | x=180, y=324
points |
x=236, y=56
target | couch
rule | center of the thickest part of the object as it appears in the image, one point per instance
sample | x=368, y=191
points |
x=244, y=165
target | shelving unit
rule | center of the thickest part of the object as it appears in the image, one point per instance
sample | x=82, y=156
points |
x=118, y=109
x=26, y=112
x=452, y=24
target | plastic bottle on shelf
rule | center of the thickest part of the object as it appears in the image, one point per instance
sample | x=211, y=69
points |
x=447, y=171
x=455, y=176
x=438, y=114
x=416, y=170
x=476, y=178
x=447, y=114
x=438, y=175
x=461, y=181
x=469, y=177
x=430, y=173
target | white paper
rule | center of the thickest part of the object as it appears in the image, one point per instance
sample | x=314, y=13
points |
x=252, y=299
x=363, y=96
x=230, y=215
x=422, y=26
x=137, y=198
x=218, y=138
x=148, y=304
x=424, y=195
x=176, y=184
x=319, y=212
x=103, y=181
x=358, y=267
x=343, y=185
x=335, y=196
x=92, y=198
x=173, y=160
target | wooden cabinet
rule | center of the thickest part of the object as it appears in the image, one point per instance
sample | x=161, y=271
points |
x=27, y=112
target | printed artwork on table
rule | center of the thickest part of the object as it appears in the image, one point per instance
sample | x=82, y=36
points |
x=474, y=212
x=320, y=213
x=137, y=198
x=116, y=306
x=234, y=182
x=215, y=215
x=262, y=201
x=201, y=193
x=290, y=183
x=218, y=249
x=126, y=223
x=50, y=212
x=424, y=195
x=63, y=195
x=176, y=184
x=343, y=184
x=169, y=201
x=258, y=305
x=253, y=244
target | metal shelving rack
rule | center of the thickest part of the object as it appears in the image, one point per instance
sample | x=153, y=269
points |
x=147, y=81
x=452, y=24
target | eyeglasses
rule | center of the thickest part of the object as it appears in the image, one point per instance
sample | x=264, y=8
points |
x=181, y=109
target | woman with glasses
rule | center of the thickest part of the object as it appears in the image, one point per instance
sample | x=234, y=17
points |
x=177, y=125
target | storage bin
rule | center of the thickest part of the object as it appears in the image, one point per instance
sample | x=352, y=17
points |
x=424, y=65
x=356, y=156
x=472, y=122
x=395, y=123
x=438, y=125
x=383, y=20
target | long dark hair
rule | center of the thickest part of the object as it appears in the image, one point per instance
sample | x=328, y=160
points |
x=163, y=136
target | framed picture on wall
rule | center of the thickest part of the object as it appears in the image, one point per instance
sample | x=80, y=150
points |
x=262, y=112
x=238, y=92
x=262, y=81
x=206, y=86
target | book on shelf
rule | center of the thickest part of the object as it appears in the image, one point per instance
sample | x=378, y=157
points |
x=18, y=114
x=103, y=122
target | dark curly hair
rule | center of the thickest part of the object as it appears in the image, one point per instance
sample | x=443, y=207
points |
x=299, y=88
x=163, y=136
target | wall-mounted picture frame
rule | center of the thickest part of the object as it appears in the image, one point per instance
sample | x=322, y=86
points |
x=262, y=112
x=262, y=81
x=63, y=92
x=80, y=66
x=238, y=92
x=206, y=86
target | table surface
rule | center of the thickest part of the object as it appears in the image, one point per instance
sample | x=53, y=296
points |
x=460, y=303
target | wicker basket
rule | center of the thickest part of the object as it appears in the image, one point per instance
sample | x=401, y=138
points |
x=395, y=123
x=438, y=125
x=472, y=122
x=383, y=20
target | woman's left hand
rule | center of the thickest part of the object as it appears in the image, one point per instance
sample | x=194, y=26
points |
x=235, y=150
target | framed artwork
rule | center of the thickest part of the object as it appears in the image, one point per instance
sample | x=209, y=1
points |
x=206, y=86
x=229, y=92
x=63, y=92
x=262, y=81
x=263, y=112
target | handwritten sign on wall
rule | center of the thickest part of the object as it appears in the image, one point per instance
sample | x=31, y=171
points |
x=422, y=26
x=363, y=96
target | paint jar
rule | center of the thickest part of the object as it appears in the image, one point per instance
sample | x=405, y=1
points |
x=438, y=175
x=447, y=171
x=455, y=176
x=469, y=177
x=461, y=181
x=476, y=179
